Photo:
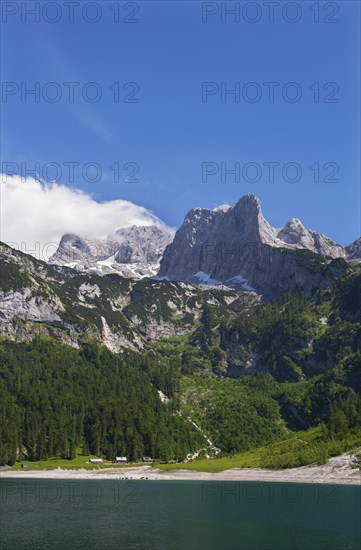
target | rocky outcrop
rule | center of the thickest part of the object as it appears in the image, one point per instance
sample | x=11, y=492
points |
x=22, y=303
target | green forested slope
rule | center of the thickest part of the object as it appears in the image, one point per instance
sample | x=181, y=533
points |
x=54, y=398
x=283, y=376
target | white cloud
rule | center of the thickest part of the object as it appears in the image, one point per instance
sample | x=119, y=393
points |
x=34, y=215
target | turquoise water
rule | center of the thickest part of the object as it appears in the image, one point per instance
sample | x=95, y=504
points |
x=178, y=515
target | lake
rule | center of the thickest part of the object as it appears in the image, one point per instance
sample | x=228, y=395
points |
x=178, y=515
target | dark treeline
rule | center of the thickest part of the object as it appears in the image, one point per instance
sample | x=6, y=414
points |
x=54, y=398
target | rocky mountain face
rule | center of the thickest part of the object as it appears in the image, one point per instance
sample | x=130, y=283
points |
x=75, y=308
x=295, y=233
x=204, y=327
x=133, y=252
x=353, y=251
x=237, y=247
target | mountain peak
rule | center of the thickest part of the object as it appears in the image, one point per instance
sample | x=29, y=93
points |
x=133, y=251
x=353, y=250
x=249, y=201
x=238, y=244
x=295, y=222
x=250, y=197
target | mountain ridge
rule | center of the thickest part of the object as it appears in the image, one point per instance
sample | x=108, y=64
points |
x=239, y=238
x=238, y=246
x=133, y=251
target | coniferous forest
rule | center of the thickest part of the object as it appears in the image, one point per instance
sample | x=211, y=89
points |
x=54, y=399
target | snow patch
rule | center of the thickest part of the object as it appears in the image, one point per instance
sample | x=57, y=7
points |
x=206, y=279
x=108, y=262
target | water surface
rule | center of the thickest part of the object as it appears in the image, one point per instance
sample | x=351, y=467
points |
x=178, y=515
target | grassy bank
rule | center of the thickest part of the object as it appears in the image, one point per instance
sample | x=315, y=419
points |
x=78, y=463
x=304, y=448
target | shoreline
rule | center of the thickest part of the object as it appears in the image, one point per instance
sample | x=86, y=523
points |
x=338, y=470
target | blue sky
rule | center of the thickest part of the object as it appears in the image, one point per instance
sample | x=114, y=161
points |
x=169, y=132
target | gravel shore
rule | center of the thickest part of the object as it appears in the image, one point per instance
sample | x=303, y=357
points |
x=338, y=470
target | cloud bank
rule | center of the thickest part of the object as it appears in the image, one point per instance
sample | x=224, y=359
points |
x=35, y=215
